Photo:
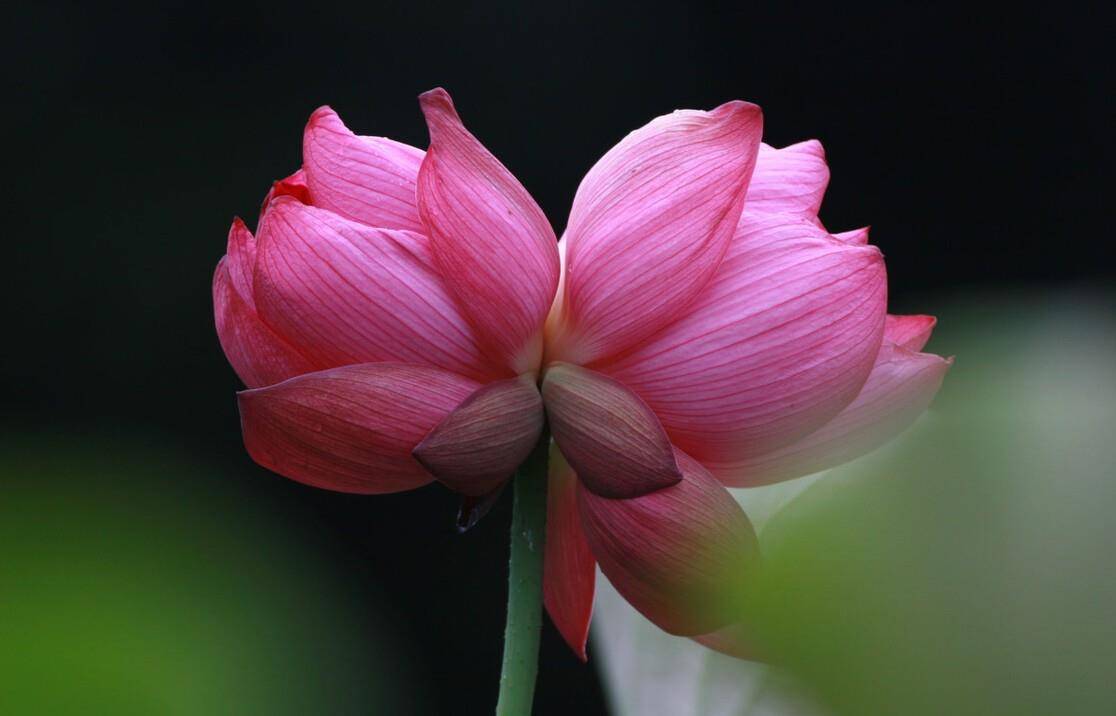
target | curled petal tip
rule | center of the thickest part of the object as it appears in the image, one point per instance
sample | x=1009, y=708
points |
x=746, y=110
x=437, y=103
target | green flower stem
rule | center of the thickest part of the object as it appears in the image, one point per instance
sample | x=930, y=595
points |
x=525, y=570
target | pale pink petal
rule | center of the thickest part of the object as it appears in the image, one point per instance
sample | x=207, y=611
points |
x=610, y=436
x=788, y=181
x=678, y=555
x=345, y=293
x=294, y=185
x=481, y=443
x=782, y=339
x=493, y=245
x=650, y=224
x=367, y=179
x=350, y=429
x=569, y=569
x=910, y=332
x=257, y=354
x=734, y=640
x=857, y=237
x=900, y=388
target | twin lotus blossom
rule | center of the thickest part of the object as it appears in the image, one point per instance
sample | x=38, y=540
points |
x=404, y=317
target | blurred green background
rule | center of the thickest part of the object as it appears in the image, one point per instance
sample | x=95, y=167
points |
x=967, y=568
x=137, y=580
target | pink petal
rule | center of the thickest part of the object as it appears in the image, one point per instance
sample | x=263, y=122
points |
x=569, y=570
x=257, y=354
x=350, y=429
x=789, y=181
x=370, y=180
x=782, y=340
x=898, y=391
x=294, y=185
x=678, y=555
x=857, y=237
x=910, y=332
x=610, y=436
x=490, y=239
x=345, y=293
x=241, y=252
x=483, y=441
x=650, y=224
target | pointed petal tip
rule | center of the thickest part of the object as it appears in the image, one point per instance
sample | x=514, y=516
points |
x=239, y=234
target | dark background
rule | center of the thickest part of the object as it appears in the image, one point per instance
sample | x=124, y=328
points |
x=977, y=144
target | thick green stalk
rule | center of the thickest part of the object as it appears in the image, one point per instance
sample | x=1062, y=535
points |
x=528, y=535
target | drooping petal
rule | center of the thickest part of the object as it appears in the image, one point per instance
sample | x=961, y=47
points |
x=257, y=354
x=350, y=429
x=910, y=332
x=678, y=555
x=370, y=180
x=481, y=443
x=569, y=569
x=496, y=250
x=345, y=293
x=899, y=389
x=650, y=224
x=782, y=339
x=789, y=181
x=294, y=185
x=610, y=437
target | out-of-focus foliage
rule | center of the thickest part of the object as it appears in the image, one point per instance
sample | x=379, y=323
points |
x=131, y=583
x=965, y=569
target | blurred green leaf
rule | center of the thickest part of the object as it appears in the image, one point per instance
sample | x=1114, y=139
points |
x=132, y=582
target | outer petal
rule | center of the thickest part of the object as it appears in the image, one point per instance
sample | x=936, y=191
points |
x=610, y=436
x=491, y=241
x=779, y=343
x=483, y=441
x=789, y=181
x=350, y=429
x=679, y=554
x=257, y=354
x=569, y=569
x=367, y=179
x=241, y=252
x=650, y=224
x=900, y=388
x=347, y=293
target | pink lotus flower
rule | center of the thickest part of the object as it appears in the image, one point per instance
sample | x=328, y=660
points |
x=405, y=317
